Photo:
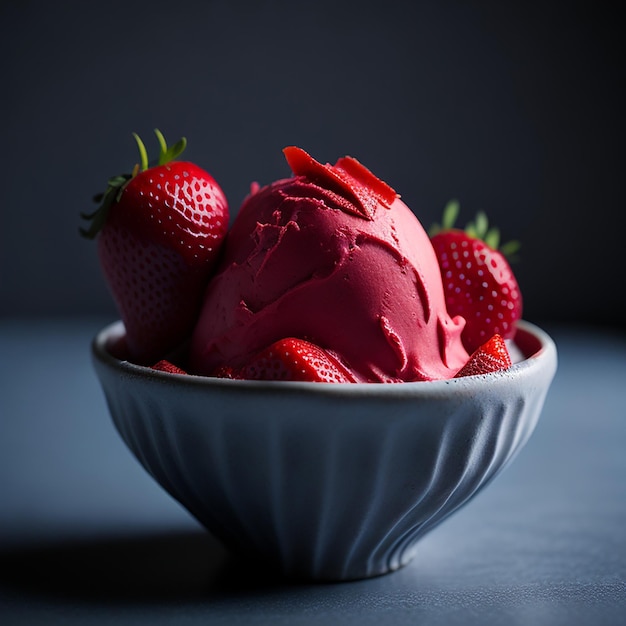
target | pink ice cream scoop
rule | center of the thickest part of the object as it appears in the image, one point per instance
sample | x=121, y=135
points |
x=332, y=256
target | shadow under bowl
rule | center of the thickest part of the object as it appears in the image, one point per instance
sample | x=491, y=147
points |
x=325, y=481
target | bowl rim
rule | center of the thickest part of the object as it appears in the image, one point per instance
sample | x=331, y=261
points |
x=544, y=356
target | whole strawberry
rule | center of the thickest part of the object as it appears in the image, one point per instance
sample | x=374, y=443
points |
x=291, y=359
x=159, y=231
x=478, y=281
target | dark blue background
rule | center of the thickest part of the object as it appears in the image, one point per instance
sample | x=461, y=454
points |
x=512, y=107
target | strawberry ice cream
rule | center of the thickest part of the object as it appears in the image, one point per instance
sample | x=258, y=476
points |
x=333, y=256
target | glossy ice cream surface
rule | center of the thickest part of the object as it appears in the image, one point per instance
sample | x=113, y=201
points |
x=331, y=255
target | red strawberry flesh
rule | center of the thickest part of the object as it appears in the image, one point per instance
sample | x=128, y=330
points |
x=492, y=356
x=291, y=359
x=167, y=366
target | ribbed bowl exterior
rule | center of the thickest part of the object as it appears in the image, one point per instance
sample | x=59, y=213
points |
x=325, y=482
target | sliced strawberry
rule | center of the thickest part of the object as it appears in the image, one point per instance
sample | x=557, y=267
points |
x=226, y=371
x=292, y=359
x=492, y=356
x=167, y=366
x=159, y=232
x=478, y=282
x=348, y=178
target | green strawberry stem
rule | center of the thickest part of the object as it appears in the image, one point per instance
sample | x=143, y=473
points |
x=116, y=185
x=450, y=213
x=479, y=229
x=510, y=249
x=142, y=152
x=169, y=154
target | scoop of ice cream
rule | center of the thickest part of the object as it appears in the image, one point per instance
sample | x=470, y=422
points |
x=332, y=256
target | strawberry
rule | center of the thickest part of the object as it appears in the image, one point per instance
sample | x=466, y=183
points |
x=479, y=284
x=490, y=357
x=167, y=366
x=159, y=232
x=347, y=178
x=291, y=359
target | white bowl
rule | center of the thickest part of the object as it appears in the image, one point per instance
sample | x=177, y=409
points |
x=325, y=481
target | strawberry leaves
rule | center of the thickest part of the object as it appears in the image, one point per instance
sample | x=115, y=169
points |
x=116, y=184
x=478, y=229
x=450, y=214
x=171, y=153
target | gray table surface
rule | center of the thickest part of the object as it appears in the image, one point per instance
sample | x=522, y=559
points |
x=86, y=537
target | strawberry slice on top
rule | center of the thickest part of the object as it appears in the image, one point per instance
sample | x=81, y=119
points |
x=478, y=281
x=159, y=231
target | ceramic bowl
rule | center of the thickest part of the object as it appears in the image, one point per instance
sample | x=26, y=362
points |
x=325, y=481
